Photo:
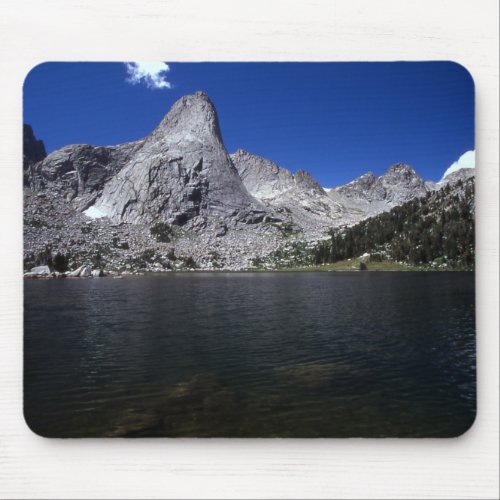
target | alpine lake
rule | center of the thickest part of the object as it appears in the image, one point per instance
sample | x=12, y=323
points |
x=251, y=354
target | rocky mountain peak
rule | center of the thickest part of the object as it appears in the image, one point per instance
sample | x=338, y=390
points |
x=191, y=116
x=361, y=183
x=262, y=178
x=297, y=198
x=400, y=169
x=261, y=175
x=370, y=194
x=307, y=181
x=399, y=184
x=33, y=152
x=33, y=148
x=181, y=172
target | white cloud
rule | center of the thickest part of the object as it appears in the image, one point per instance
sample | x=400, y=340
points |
x=467, y=160
x=151, y=74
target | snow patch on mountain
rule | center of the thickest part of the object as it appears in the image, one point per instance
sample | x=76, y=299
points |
x=94, y=213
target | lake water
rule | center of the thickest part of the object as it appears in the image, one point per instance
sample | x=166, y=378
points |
x=310, y=354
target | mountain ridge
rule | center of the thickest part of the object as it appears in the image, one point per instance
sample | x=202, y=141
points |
x=181, y=178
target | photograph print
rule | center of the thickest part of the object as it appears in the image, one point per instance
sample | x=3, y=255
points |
x=272, y=250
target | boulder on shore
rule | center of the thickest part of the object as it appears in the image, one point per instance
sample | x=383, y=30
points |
x=365, y=258
x=40, y=271
x=85, y=272
x=76, y=272
x=97, y=273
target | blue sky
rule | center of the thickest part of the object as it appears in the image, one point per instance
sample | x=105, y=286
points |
x=335, y=120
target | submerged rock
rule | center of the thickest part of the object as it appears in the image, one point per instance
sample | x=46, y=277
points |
x=136, y=423
x=311, y=374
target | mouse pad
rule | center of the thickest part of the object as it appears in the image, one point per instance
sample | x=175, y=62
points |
x=249, y=249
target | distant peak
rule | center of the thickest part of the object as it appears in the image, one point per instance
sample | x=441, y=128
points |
x=467, y=160
x=399, y=170
x=400, y=167
x=33, y=148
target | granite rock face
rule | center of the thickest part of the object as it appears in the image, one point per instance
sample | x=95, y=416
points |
x=182, y=171
x=298, y=198
x=79, y=172
x=179, y=172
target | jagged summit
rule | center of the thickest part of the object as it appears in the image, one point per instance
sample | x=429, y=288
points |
x=370, y=194
x=400, y=167
x=33, y=152
x=395, y=171
x=307, y=181
x=33, y=148
x=263, y=178
x=400, y=184
x=363, y=182
x=297, y=196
